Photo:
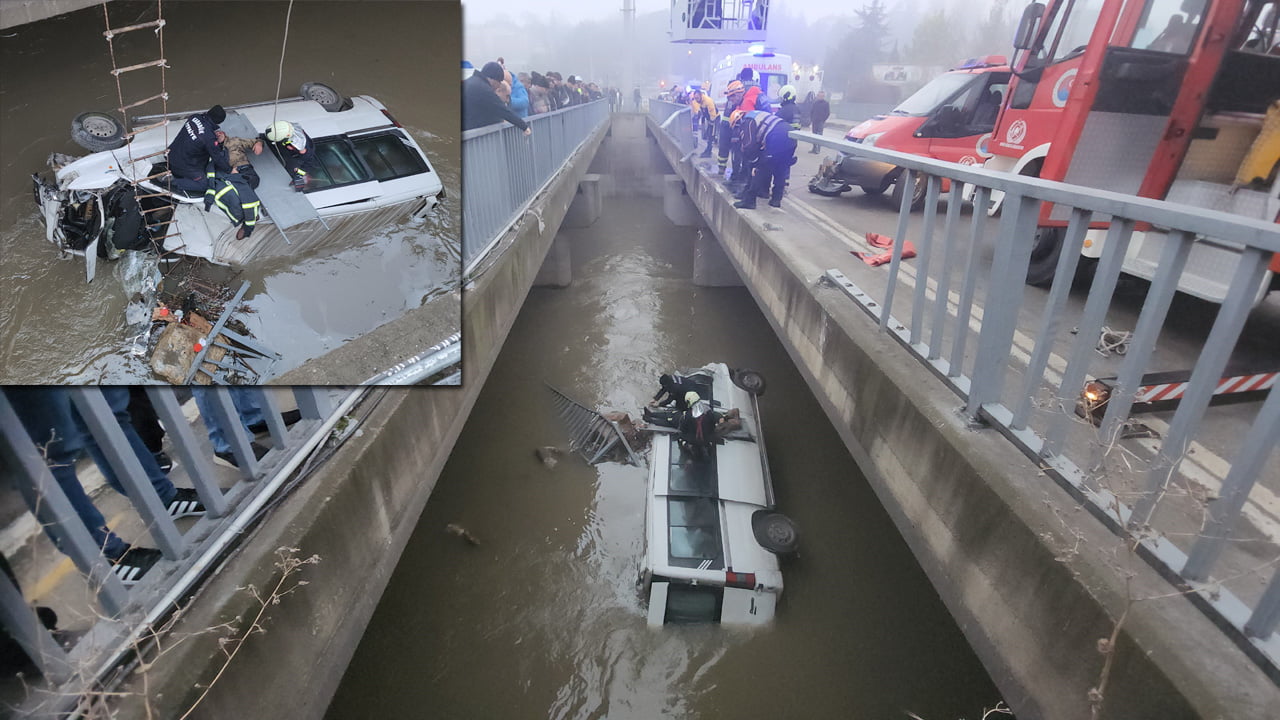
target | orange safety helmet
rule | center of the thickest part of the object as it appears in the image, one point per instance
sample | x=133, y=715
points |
x=734, y=87
x=736, y=115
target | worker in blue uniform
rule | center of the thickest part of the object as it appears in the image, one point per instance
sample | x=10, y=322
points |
x=235, y=197
x=194, y=155
x=770, y=151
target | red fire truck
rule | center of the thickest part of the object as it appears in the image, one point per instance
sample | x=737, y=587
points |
x=1156, y=98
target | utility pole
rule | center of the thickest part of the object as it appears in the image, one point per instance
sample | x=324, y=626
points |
x=628, y=45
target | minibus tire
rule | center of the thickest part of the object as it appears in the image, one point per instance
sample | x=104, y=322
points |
x=97, y=131
x=775, y=532
x=328, y=98
x=749, y=380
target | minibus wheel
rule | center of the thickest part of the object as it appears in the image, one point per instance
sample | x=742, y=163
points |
x=775, y=532
x=749, y=380
x=328, y=98
x=97, y=131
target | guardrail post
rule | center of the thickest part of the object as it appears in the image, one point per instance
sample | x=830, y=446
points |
x=1245, y=468
x=1086, y=340
x=907, y=178
x=1004, y=297
x=954, y=200
x=1266, y=614
x=933, y=185
x=1063, y=277
x=313, y=402
x=955, y=367
x=54, y=511
x=123, y=459
x=1204, y=379
x=24, y=627
x=187, y=447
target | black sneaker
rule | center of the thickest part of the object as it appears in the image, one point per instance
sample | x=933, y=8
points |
x=775, y=203
x=185, y=503
x=230, y=458
x=289, y=416
x=164, y=461
x=134, y=563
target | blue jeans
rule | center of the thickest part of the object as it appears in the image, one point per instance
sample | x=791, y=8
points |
x=118, y=400
x=246, y=407
x=48, y=418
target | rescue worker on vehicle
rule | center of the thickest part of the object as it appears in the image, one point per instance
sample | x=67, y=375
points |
x=194, y=155
x=296, y=149
x=235, y=197
x=770, y=151
x=787, y=109
x=704, y=114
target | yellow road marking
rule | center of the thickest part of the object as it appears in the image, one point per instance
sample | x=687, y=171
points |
x=50, y=580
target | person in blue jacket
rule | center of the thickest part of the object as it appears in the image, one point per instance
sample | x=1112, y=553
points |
x=194, y=156
x=519, y=95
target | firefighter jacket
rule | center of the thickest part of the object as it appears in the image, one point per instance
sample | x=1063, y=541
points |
x=703, y=106
x=233, y=196
x=196, y=145
x=788, y=112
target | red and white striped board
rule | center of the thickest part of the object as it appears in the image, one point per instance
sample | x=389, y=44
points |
x=1161, y=392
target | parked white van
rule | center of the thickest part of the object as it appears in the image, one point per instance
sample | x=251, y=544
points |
x=712, y=534
x=370, y=172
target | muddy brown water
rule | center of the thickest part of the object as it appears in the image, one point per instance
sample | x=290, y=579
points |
x=56, y=328
x=543, y=619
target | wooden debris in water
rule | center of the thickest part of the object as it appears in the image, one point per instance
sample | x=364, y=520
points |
x=456, y=529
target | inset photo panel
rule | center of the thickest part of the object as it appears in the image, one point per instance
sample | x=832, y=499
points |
x=227, y=192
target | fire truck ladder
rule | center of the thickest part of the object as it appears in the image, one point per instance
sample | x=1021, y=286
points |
x=590, y=434
x=140, y=193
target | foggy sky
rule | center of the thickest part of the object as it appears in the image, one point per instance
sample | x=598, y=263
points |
x=480, y=11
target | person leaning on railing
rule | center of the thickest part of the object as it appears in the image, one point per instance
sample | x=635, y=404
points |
x=481, y=105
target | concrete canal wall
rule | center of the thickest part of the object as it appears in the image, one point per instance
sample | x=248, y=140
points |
x=21, y=12
x=356, y=513
x=1033, y=582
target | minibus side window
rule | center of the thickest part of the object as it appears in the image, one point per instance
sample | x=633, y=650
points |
x=338, y=165
x=389, y=156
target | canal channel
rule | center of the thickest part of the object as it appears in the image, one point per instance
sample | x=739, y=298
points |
x=543, y=618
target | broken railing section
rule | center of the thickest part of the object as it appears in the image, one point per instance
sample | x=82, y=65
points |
x=188, y=554
x=968, y=345
x=239, y=359
x=591, y=434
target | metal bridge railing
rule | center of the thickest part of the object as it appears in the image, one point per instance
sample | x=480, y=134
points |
x=676, y=120
x=961, y=321
x=502, y=170
x=118, y=616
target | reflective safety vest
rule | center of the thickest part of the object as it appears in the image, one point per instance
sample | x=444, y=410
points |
x=237, y=199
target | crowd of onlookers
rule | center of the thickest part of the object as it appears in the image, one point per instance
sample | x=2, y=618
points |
x=494, y=93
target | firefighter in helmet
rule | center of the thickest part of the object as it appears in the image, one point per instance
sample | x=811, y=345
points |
x=295, y=148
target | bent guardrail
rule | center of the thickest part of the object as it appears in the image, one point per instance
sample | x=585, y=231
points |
x=502, y=171
x=43, y=431
x=967, y=338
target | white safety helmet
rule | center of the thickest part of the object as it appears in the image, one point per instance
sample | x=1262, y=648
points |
x=279, y=131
